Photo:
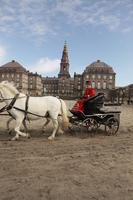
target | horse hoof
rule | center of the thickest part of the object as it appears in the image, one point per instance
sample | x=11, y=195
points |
x=9, y=132
x=61, y=132
x=43, y=131
x=28, y=136
x=14, y=139
x=50, y=138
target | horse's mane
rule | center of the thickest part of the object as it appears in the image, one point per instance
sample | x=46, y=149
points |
x=10, y=86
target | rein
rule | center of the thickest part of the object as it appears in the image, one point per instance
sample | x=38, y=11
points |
x=9, y=107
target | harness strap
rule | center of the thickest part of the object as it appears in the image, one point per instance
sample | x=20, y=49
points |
x=3, y=109
x=26, y=106
x=9, y=107
x=28, y=112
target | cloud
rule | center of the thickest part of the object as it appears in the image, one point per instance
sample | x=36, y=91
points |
x=112, y=15
x=39, y=19
x=2, y=54
x=45, y=65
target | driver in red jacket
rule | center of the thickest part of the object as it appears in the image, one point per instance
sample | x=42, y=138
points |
x=89, y=92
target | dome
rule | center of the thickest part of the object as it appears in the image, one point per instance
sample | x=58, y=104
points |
x=99, y=67
x=13, y=65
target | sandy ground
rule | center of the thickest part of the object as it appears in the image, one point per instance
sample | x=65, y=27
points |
x=72, y=167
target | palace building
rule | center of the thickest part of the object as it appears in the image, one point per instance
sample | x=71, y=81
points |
x=101, y=75
x=25, y=81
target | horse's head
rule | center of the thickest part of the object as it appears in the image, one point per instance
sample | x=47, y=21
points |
x=7, y=89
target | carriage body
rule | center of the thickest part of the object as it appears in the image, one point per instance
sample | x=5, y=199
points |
x=94, y=116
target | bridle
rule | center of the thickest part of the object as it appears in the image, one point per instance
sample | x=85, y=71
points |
x=11, y=104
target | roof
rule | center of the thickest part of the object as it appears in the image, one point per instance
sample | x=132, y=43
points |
x=13, y=65
x=99, y=67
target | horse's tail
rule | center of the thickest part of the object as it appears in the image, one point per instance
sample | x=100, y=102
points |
x=64, y=115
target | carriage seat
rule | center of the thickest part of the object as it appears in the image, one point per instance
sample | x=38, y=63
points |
x=94, y=104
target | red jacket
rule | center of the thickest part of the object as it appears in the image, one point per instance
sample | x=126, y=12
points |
x=89, y=92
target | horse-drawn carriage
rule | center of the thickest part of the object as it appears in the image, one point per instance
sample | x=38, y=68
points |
x=22, y=107
x=95, y=115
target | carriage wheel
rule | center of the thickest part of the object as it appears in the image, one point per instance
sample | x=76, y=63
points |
x=112, y=126
x=90, y=124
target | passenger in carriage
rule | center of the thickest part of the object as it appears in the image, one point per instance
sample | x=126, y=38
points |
x=89, y=92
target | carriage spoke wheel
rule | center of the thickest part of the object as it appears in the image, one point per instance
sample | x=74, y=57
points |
x=112, y=126
x=90, y=124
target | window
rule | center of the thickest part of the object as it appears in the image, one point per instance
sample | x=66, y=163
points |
x=17, y=75
x=99, y=85
x=110, y=86
x=87, y=77
x=104, y=76
x=93, y=76
x=3, y=75
x=110, y=77
x=104, y=85
x=93, y=84
x=79, y=94
x=79, y=87
x=99, y=76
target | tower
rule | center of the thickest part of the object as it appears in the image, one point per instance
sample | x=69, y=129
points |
x=64, y=65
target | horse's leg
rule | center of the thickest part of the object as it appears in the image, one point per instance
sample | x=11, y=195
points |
x=17, y=129
x=45, y=124
x=7, y=126
x=60, y=128
x=55, y=125
x=25, y=128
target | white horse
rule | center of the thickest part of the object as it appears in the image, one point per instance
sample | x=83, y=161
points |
x=46, y=106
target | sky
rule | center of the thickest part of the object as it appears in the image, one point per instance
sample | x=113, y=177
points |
x=32, y=32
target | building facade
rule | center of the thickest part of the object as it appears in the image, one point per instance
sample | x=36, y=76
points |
x=25, y=81
x=101, y=75
x=64, y=86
